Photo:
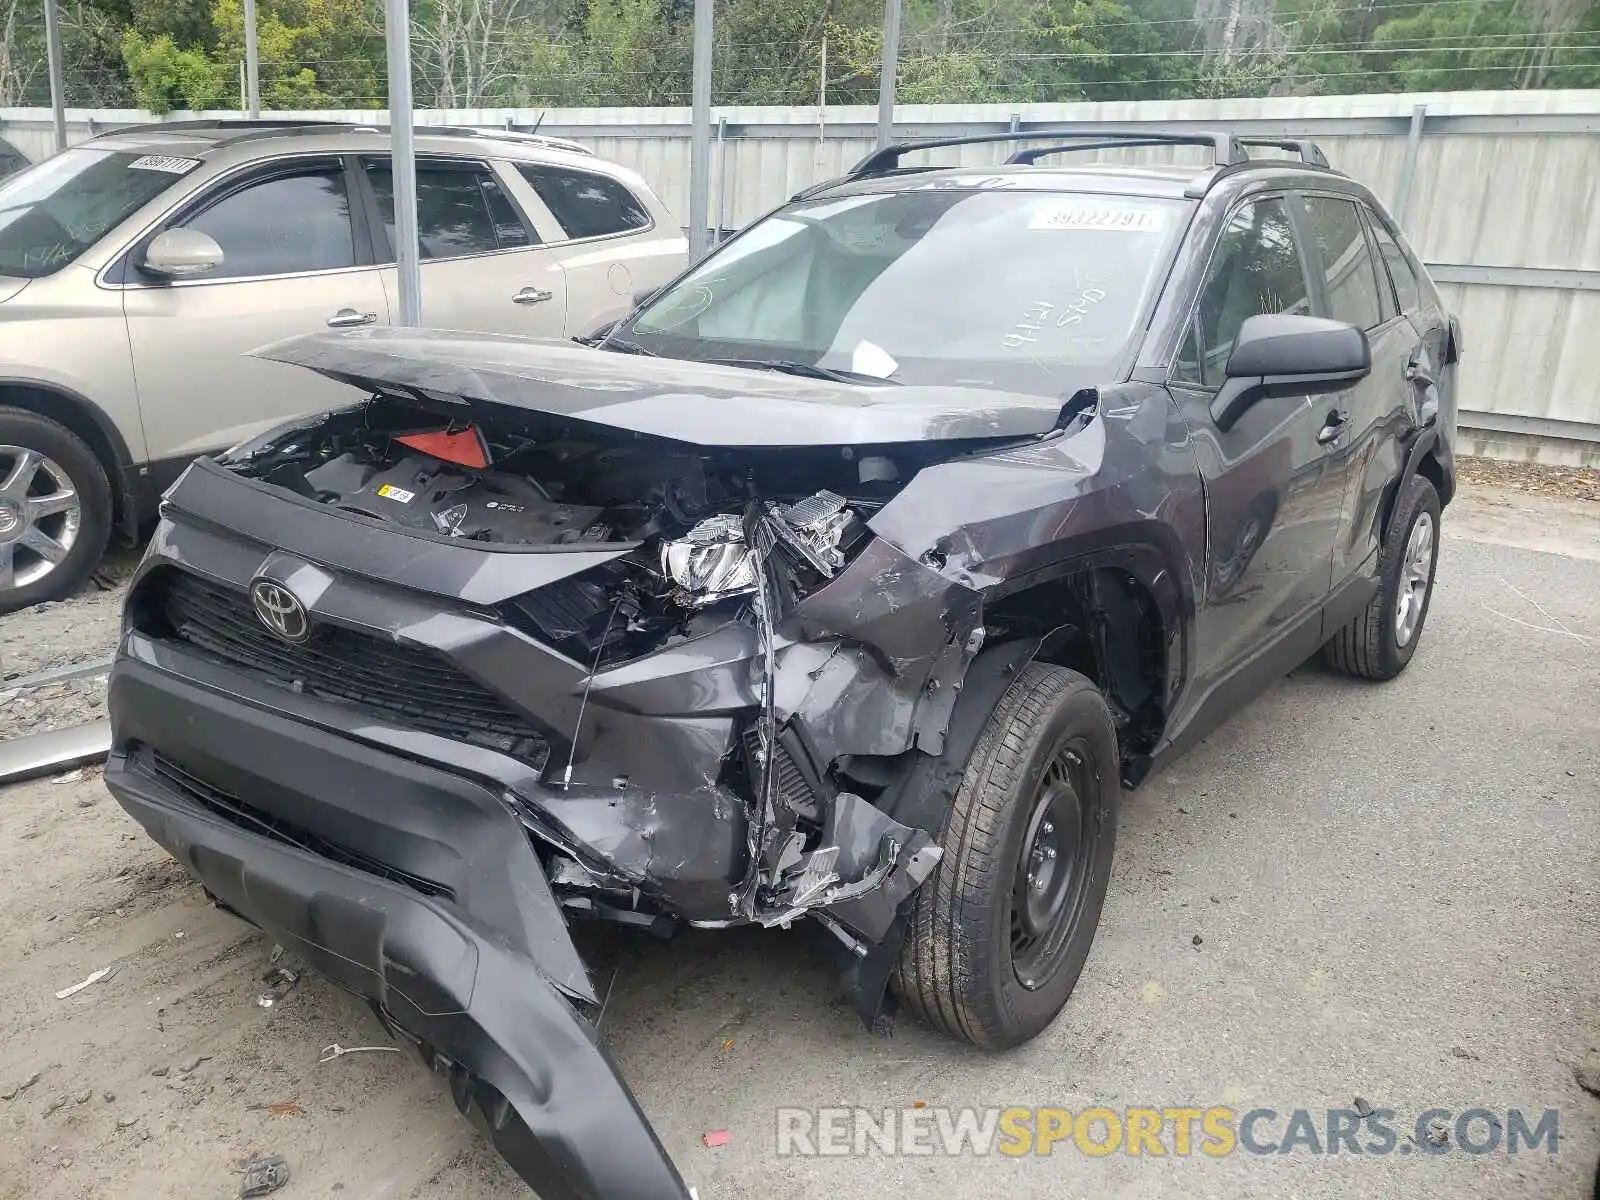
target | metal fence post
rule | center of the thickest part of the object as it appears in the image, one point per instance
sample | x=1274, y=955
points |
x=58, y=100
x=889, y=70
x=722, y=182
x=700, y=132
x=252, y=62
x=403, y=159
x=1408, y=168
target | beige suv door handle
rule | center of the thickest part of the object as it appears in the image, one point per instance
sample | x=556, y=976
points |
x=532, y=295
x=346, y=317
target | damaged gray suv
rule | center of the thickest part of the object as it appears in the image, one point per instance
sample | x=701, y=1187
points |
x=849, y=581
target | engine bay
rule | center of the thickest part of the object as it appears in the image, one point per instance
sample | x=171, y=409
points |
x=700, y=524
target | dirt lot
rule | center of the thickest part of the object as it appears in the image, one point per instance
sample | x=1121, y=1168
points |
x=1396, y=891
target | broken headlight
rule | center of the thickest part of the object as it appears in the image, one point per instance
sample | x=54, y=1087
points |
x=711, y=561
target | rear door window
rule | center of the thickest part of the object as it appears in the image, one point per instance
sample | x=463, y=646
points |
x=1406, y=289
x=461, y=209
x=1341, y=245
x=587, y=205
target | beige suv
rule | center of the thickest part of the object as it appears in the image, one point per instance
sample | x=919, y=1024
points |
x=138, y=269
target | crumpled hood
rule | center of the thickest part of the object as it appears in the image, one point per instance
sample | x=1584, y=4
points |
x=698, y=403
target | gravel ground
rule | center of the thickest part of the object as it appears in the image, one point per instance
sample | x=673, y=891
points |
x=1396, y=892
x=77, y=629
x=1568, y=483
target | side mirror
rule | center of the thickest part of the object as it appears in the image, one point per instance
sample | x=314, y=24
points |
x=1285, y=355
x=182, y=254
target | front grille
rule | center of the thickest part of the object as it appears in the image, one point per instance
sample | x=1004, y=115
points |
x=402, y=685
x=236, y=812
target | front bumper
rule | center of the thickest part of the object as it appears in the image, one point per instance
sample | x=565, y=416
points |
x=377, y=871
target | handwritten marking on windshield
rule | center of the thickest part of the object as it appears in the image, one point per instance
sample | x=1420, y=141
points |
x=1040, y=313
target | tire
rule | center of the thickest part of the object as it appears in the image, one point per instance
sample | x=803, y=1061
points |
x=1049, y=741
x=1379, y=642
x=54, y=501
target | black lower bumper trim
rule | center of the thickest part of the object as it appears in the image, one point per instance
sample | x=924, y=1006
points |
x=520, y=1058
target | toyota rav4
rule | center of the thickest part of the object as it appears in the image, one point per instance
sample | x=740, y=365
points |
x=849, y=581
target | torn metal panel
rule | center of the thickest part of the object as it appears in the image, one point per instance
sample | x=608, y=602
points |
x=58, y=750
x=864, y=865
x=485, y=1013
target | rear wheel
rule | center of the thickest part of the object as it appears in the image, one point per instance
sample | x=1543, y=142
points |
x=1000, y=933
x=1381, y=640
x=55, y=510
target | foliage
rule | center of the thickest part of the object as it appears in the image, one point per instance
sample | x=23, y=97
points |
x=166, y=54
x=163, y=77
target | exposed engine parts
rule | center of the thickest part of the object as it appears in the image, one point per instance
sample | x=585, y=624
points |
x=730, y=551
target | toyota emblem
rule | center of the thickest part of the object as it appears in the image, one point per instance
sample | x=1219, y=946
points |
x=278, y=609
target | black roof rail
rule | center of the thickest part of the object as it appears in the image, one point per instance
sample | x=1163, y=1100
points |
x=1225, y=148
x=1309, y=151
x=1033, y=154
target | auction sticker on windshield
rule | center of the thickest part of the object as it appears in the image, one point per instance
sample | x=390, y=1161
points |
x=165, y=163
x=1075, y=214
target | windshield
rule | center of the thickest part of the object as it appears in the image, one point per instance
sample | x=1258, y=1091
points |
x=992, y=288
x=54, y=211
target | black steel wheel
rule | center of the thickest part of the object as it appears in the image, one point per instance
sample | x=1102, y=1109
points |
x=1000, y=933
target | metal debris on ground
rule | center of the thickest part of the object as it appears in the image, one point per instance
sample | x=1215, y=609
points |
x=329, y=1053
x=264, y=1176
x=69, y=777
x=95, y=977
x=718, y=1137
x=280, y=982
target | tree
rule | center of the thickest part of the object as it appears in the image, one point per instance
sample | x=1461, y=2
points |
x=313, y=53
x=164, y=78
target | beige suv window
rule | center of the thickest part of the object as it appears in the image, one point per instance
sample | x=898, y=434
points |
x=287, y=224
x=461, y=209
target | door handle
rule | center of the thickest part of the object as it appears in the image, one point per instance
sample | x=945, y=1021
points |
x=347, y=317
x=1334, y=427
x=532, y=295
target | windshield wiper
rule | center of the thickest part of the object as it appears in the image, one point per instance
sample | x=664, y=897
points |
x=624, y=346
x=791, y=366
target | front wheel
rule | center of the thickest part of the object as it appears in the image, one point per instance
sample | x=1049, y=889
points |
x=1381, y=640
x=1000, y=933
